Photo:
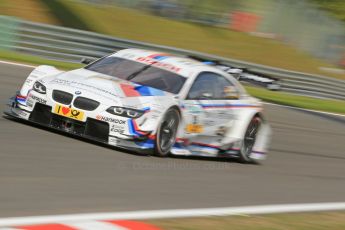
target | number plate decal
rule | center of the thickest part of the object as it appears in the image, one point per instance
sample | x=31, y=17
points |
x=194, y=128
x=69, y=112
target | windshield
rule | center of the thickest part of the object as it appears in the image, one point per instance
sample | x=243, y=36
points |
x=139, y=73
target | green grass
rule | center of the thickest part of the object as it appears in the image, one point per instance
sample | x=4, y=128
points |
x=136, y=25
x=297, y=221
x=335, y=7
x=65, y=15
x=31, y=10
x=326, y=105
x=29, y=59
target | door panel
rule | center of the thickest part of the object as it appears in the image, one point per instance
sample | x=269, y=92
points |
x=208, y=106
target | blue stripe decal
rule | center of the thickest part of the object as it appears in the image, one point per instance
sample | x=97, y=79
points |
x=148, y=91
x=179, y=146
x=146, y=144
x=20, y=99
x=131, y=127
x=132, y=130
x=146, y=109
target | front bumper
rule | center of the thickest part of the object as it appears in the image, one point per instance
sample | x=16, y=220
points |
x=92, y=129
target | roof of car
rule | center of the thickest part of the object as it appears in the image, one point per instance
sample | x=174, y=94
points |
x=181, y=65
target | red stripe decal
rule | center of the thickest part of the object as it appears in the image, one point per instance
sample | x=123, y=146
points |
x=152, y=137
x=129, y=90
x=133, y=225
x=137, y=129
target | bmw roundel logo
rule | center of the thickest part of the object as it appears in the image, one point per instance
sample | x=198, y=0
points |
x=77, y=92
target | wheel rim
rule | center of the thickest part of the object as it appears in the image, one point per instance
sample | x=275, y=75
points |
x=167, y=132
x=250, y=136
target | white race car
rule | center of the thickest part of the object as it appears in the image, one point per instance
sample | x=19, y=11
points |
x=145, y=100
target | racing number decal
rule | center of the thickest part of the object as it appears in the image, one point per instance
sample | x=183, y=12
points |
x=194, y=127
x=68, y=112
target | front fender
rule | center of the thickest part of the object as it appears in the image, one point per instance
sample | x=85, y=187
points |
x=37, y=74
x=158, y=106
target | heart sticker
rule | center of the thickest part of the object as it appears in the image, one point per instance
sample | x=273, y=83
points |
x=65, y=110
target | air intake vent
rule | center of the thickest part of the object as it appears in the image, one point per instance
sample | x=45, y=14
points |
x=62, y=97
x=85, y=103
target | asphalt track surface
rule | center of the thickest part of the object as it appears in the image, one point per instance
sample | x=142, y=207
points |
x=45, y=173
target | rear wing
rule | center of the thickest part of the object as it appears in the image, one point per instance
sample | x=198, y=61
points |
x=243, y=74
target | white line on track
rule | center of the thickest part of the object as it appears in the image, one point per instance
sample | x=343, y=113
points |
x=308, y=110
x=177, y=213
x=17, y=64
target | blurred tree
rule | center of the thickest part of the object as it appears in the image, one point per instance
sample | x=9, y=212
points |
x=335, y=7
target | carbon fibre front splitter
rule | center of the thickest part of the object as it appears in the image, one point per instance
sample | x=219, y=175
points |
x=13, y=116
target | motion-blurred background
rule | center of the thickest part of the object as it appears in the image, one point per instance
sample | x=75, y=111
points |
x=298, y=43
x=302, y=35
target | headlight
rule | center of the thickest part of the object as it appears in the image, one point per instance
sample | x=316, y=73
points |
x=125, y=112
x=39, y=88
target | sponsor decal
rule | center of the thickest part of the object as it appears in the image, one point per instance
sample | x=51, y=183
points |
x=117, y=129
x=193, y=109
x=110, y=119
x=38, y=99
x=81, y=85
x=69, y=112
x=154, y=62
x=221, y=114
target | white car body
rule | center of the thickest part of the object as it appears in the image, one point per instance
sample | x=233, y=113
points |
x=208, y=127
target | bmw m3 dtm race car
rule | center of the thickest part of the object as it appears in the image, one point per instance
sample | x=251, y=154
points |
x=148, y=101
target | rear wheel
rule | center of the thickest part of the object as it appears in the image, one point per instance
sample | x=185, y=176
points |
x=166, y=133
x=249, y=140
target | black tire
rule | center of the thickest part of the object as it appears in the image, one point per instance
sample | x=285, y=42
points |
x=249, y=140
x=166, y=133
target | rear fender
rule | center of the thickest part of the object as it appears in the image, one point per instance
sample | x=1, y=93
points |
x=236, y=129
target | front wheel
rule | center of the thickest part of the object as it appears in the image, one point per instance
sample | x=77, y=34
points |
x=166, y=133
x=249, y=140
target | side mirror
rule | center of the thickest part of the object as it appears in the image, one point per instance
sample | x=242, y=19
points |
x=86, y=61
